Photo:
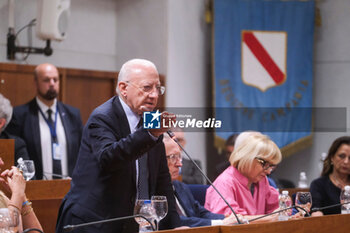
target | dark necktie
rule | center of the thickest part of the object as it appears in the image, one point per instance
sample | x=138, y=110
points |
x=140, y=123
x=56, y=163
x=143, y=177
x=178, y=208
x=142, y=185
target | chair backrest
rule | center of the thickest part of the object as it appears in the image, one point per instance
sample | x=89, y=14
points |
x=198, y=191
x=272, y=182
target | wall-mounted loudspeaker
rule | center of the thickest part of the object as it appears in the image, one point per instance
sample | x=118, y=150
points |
x=52, y=19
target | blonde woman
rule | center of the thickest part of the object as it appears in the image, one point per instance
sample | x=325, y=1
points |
x=244, y=184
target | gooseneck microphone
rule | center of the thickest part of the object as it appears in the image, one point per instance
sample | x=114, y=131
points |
x=54, y=174
x=279, y=211
x=69, y=228
x=32, y=229
x=172, y=136
x=328, y=207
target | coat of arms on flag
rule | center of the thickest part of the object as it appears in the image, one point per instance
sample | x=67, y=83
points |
x=263, y=69
x=264, y=58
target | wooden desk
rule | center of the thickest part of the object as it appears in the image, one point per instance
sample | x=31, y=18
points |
x=325, y=224
x=46, y=196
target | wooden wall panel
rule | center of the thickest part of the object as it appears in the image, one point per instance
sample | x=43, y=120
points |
x=83, y=89
x=7, y=153
x=87, y=91
x=97, y=91
x=17, y=83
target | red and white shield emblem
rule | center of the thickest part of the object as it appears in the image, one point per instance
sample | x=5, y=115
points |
x=264, y=58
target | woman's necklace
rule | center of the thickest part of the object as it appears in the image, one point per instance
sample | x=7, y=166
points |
x=338, y=182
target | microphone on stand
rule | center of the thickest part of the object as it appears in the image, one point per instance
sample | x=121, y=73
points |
x=54, y=174
x=172, y=136
x=32, y=229
x=69, y=228
x=279, y=211
x=328, y=207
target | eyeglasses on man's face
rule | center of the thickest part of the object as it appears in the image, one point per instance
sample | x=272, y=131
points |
x=174, y=158
x=149, y=88
x=266, y=165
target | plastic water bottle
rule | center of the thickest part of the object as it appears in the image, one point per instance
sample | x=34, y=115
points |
x=284, y=202
x=323, y=158
x=148, y=212
x=20, y=163
x=345, y=197
x=302, y=180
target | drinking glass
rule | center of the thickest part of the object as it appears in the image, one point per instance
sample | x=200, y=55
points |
x=304, y=200
x=144, y=208
x=160, y=205
x=9, y=220
x=5, y=220
x=14, y=216
x=28, y=169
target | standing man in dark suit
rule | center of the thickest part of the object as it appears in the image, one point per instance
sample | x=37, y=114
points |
x=119, y=161
x=191, y=213
x=52, y=130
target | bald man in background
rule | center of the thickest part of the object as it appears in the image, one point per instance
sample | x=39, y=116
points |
x=52, y=130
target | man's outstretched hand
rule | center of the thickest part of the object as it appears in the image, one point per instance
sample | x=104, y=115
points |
x=167, y=117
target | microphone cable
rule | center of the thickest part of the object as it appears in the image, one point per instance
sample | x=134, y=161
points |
x=328, y=207
x=279, y=211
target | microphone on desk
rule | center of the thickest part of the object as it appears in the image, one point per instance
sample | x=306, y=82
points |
x=279, y=211
x=172, y=136
x=69, y=228
x=32, y=229
x=328, y=207
x=56, y=175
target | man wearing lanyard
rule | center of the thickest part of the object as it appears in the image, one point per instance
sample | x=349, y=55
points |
x=52, y=130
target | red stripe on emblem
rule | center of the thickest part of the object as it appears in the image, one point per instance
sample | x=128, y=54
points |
x=263, y=57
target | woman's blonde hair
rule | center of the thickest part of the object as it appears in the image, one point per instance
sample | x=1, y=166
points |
x=254, y=144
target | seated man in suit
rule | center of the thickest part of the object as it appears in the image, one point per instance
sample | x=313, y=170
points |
x=191, y=212
x=52, y=130
x=189, y=172
x=5, y=118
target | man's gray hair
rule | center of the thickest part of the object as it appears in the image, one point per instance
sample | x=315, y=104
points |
x=130, y=66
x=5, y=110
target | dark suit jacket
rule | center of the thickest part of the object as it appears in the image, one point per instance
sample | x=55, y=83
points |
x=197, y=215
x=20, y=146
x=104, y=179
x=25, y=124
x=190, y=173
